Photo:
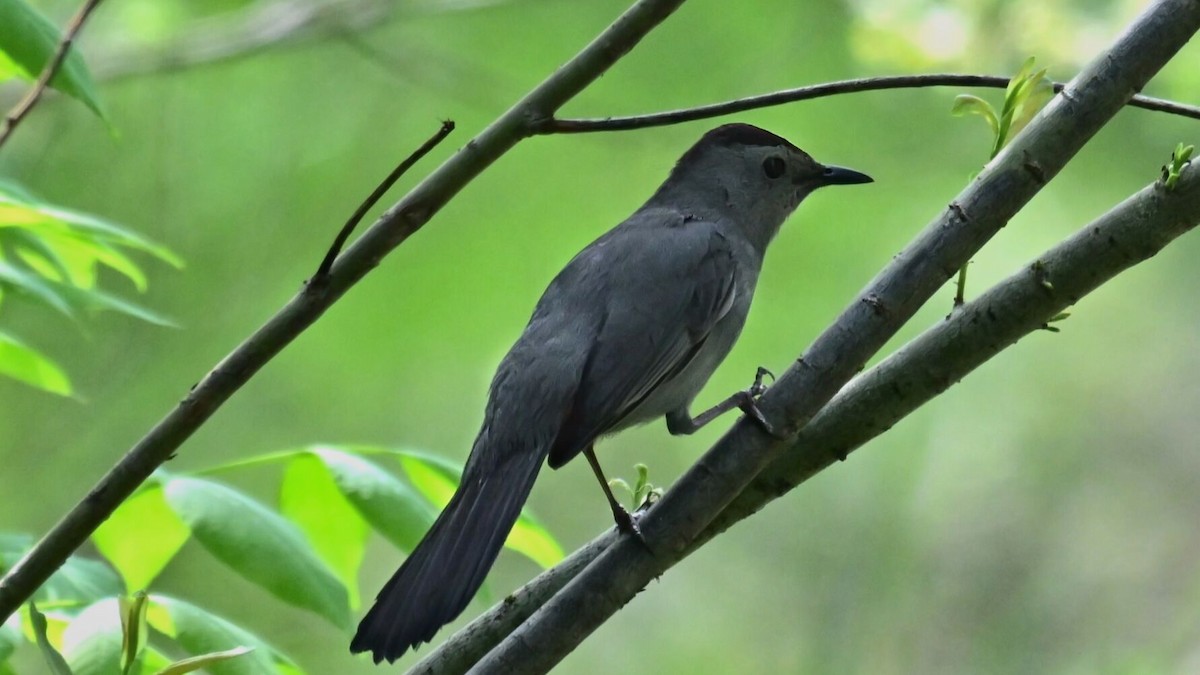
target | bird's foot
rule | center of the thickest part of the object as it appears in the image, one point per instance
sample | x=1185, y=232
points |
x=627, y=523
x=748, y=404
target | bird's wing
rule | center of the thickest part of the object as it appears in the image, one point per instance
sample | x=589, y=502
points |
x=674, y=284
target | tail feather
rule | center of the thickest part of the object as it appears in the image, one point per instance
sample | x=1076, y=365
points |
x=444, y=571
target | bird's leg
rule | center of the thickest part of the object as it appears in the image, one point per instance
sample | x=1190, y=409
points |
x=680, y=422
x=625, y=522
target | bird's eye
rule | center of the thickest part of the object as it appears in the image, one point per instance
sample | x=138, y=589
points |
x=774, y=166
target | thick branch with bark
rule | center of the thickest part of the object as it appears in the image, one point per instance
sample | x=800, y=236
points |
x=392, y=229
x=872, y=403
x=1004, y=186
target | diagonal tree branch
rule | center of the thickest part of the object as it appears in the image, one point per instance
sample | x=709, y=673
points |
x=1003, y=187
x=26, y=104
x=703, y=112
x=1130, y=233
x=392, y=229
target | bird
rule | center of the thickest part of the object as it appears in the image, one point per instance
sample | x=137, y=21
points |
x=628, y=332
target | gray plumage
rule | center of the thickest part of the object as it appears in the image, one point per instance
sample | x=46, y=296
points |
x=628, y=332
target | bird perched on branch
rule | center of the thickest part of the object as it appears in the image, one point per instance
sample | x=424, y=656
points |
x=628, y=332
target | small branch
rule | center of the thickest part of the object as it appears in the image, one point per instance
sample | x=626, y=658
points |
x=389, y=231
x=960, y=286
x=579, y=126
x=26, y=104
x=376, y=194
x=1003, y=187
x=880, y=398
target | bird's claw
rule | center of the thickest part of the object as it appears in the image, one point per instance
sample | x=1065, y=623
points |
x=627, y=524
x=758, y=388
x=749, y=404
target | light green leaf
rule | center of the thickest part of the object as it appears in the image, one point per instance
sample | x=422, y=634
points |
x=1039, y=91
x=19, y=208
x=29, y=366
x=434, y=477
x=259, y=545
x=195, y=663
x=437, y=479
x=391, y=507
x=95, y=300
x=133, y=629
x=29, y=40
x=39, y=288
x=141, y=536
x=54, y=660
x=311, y=499
x=967, y=104
x=152, y=661
x=1018, y=81
x=82, y=580
x=79, y=581
x=92, y=641
x=113, y=258
x=200, y=632
x=35, y=252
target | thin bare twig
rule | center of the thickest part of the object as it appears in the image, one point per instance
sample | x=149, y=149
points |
x=703, y=112
x=376, y=194
x=26, y=104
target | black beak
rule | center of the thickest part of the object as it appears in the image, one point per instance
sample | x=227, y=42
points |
x=840, y=175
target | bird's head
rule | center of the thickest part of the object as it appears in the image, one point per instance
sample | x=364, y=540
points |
x=749, y=175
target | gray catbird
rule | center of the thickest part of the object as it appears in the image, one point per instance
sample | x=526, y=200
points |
x=628, y=332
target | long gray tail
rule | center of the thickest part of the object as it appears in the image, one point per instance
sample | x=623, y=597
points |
x=442, y=574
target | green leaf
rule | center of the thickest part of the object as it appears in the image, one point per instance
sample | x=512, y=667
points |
x=96, y=300
x=152, y=661
x=434, y=477
x=19, y=208
x=141, y=536
x=259, y=545
x=200, y=632
x=35, y=252
x=55, y=661
x=29, y=40
x=29, y=366
x=1018, y=83
x=81, y=581
x=92, y=641
x=133, y=629
x=531, y=539
x=391, y=507
x=967, y=104
x=114, y=259
x=311, y=499
x=195, y=663
x=437, y=479
x=39, y=288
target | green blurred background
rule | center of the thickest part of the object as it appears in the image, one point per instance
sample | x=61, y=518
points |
x=1040, y=517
